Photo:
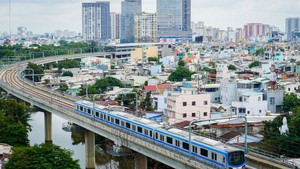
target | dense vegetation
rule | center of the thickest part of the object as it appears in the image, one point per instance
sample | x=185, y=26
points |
x=14, y=126
x=67, y=73
x=68, y=64
x=285, y=144
x=101, y=86
x=253, y=64
x=36, y=50
x=179, y=74
x=40, y=157
x=37, y=72
x=231, y=67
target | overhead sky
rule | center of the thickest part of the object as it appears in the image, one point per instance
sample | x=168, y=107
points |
x=42, y=16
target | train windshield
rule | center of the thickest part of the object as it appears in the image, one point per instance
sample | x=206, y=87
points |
x=236, y=158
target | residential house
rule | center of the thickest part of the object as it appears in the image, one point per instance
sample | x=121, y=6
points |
x=245, y=104
x=155, y=69
x=187, y=105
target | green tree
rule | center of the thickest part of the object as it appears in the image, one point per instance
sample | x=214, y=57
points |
x=106, y=82
x=290, y=101
x=206, y=69
x=153, y=59
x=181, y=63
x=212, y=64
x=40, y=157
x=14, y=126
x=288, y=143
x=38, y=71
x=67, y=73
x=253, y=64
x=91, y=90
x=128, y=100
x=63, y=87
x=62, y=42
x=179, y=74
x=231, y=67
x=146, y=103
x=260, y=52
x=68, y=64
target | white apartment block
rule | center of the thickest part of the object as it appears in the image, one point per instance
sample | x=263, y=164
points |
x=145, y=29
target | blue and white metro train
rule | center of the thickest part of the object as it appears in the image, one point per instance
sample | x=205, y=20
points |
x=205, y=149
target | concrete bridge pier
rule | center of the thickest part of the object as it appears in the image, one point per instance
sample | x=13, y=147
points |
x=50, y=66
x=90, y=149
x=48, y=127
x=140, y=162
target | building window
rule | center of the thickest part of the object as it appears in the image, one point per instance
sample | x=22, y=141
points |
x=272, y=100
x=289, y=89
x=248, y=112
x=184, y=115
x=259, y=111
x=184, y=104
x=193, y=103
x=205, y=114
x=193, y=114
x=259, y=98
x=205, y=103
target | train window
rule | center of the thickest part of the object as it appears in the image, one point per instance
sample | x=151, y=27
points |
x=122, y=123
x=127, y=125
x=104, y=117
x=195, y=149
x=146, y=131
x=150, y=133
x=108, y=118
x=140, y=129
x=162, y=137
x=177, y=143
x=169, y=140
x=97, y=114
x=101, y=116
x=78, y=107
x=185, y=145
x=204, y=152
x=84, y=109
x=89, y=111
x=133, y=127
x=214, y=156
x=156, y=135
x=81, y=108
x=117, y=121
x=112, y=119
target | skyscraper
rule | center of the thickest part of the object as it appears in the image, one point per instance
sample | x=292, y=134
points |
x=96, y=21
x=292, y=25
x=173, y=18
x=129, y=9
x=115, y=20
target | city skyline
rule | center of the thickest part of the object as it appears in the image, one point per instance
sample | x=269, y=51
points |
x=42, y=16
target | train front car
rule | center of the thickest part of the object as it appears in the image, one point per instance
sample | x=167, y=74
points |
x=236, y=160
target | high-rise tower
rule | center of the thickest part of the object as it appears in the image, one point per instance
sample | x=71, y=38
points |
x=292, y=26
x=129, y=9
x=174, y=18
x=96, y=21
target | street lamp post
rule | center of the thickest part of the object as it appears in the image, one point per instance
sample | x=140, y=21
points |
x=194, y=121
